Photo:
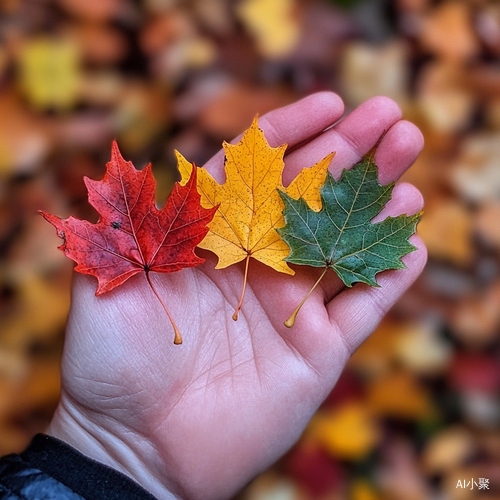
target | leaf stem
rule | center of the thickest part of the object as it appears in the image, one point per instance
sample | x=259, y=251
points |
x=291, y=320
x=177, y=337
x=235, y=315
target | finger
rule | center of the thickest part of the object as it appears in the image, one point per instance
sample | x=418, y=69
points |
x=291, y=124
x=356, y=135
x=357, y=311
x=351, y=138
x=406, y=199
x=398, y=150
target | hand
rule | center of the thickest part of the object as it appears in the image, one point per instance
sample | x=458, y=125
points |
x=198, y=421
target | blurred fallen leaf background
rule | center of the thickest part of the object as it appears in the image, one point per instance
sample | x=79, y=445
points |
x=418, y=407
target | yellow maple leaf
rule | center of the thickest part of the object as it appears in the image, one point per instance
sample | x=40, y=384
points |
x=250, y=208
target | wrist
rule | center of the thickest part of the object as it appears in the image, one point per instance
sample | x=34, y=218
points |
x=110, y=445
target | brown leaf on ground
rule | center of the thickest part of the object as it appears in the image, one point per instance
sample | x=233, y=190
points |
x=447, y=32
x=231, y=112
x=447, y=231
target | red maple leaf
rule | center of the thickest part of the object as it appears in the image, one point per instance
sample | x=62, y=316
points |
x=132, y=235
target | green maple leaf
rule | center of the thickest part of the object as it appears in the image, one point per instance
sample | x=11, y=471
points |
x=341, y=236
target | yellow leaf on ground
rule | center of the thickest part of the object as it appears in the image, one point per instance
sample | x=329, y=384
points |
x=273, y=25
x=250, y=208
x=50, y=73
x=348, y=432
x=363, y=490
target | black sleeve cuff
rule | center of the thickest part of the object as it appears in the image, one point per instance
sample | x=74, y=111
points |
x=89, y=478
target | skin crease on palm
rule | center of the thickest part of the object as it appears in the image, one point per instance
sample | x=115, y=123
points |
x=198, y=421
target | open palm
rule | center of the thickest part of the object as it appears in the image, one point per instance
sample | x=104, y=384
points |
x=201, y=419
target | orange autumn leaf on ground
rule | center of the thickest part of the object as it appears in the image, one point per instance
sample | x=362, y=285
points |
x=413, y=400
x=250, y=208
x=349, y=432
